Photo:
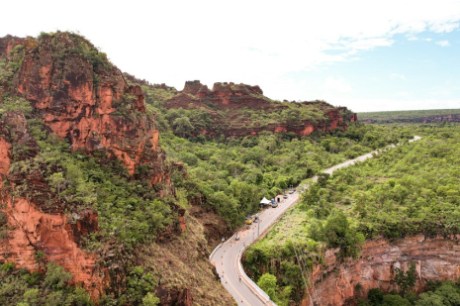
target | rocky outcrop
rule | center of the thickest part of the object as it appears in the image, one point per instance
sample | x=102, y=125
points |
x=233, y=108
x=334, y=282
x=83, y=98
x=31, y=230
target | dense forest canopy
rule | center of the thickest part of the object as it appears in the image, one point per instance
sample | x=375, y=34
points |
x=410, y=189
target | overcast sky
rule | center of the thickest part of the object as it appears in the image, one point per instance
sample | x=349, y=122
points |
x=366, y=55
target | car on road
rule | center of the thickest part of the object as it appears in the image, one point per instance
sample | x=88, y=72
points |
x=237, y=237
x=285, y=196
x=248, y=220
x=274, y=205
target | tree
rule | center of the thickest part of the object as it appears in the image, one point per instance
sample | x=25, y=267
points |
x=56, y=277
x=183, y=127
x=267, y=282
x=375, y=296
x=338, y=233
x=430, y=299
x=395, y=300
x=406, y=280
x=150, y=299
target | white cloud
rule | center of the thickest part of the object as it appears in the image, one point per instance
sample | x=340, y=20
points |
x=257, y=42
x=445, y=27
x=336, y=85
x=443, y=43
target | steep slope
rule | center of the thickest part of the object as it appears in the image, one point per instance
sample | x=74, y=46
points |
x=334, y=282
x=84, y=182
x=80, y=96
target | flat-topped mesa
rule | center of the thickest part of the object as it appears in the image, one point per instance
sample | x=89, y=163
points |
x=241, y=110
x=83, y=98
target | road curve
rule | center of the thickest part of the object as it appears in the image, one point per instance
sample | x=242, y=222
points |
x=226, y=257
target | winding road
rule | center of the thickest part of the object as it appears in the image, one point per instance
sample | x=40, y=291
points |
x=226, y=257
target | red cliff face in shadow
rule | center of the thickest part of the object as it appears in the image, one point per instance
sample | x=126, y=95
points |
x=435, y=259
x=229, y=104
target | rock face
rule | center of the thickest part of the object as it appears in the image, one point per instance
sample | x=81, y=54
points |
x=232, y=105
x=434, y=259
x=32, y=230
x=83, y=98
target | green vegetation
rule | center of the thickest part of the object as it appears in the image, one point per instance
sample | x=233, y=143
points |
x=407, y=116
x=407, y=190
x=51, y=288
x=234, y=174
x=128, y=210
x=9, y=67
x=16, y=104
x=227, y=175
x=291, y=113
x=437, y=294
x=268, y=283
x=67, y=44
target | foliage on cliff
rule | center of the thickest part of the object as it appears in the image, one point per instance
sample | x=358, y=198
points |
x=62, y=107
x=445, y=293
x=19, y=287
x=407, y=190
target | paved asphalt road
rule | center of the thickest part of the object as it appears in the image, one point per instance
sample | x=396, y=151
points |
x=227, y=256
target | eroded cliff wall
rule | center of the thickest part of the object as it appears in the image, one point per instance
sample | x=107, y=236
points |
x=334, y=282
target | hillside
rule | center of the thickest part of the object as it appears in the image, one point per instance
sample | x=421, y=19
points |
x=238, y=110
x=354, y=231
x=86, y=191
x=415, y=116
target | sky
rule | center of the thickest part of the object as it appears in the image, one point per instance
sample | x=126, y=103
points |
x=368, y=55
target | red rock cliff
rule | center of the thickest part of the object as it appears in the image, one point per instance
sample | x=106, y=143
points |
x=434, y=258
x=233, y=108
x=86, y=100
x=30, y=229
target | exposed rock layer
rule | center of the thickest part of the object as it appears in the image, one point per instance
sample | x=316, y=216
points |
x=85, y=100
x=31, y=230
x=229, y=104
x=334, y=282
